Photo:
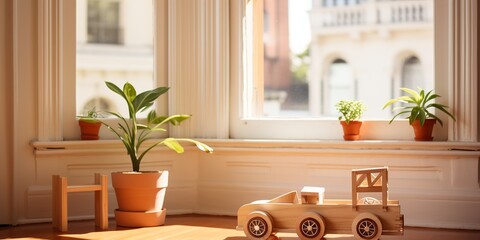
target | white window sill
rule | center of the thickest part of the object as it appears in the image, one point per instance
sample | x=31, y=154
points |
x=279, y=144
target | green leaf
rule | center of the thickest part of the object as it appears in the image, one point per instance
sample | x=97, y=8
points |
x=142, y=126
x=173, y=144
x=442, y=108
x=414, y=113
x=129, y=91
x=145, y=107
x=351, y=110
x=202, y=146
x=390, y=102
x=174, y=120
x=146, y=99
x=429, y=97
x=116, y=89
x=438, y=119
x=412, y=92
x=152, y=115
x=422, y=117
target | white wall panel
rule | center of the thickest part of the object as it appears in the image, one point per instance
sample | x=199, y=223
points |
x=437, y=187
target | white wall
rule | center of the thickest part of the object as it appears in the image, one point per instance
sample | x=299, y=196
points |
x=24, y=101
x=437, y=187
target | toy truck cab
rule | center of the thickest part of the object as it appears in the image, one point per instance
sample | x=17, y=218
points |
x=311, y=216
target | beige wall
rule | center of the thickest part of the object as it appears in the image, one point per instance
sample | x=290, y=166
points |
x=18, y=104
x=6, y=78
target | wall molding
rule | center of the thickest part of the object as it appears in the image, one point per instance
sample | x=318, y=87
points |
x=198, y=66
x=425, y=177
x=50, y=59
x=283, y=144
x=463, y=69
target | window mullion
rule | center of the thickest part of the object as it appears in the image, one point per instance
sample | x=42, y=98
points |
x=54, y=65
x=198, y=66
x=463, y=72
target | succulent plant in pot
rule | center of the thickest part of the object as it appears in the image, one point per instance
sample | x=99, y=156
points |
x=89, y=125
x=350, y=113
x=419, y=106
x=140, y=194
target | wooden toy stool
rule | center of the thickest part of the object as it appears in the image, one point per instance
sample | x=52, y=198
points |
x=312, y=195
x=60, y=189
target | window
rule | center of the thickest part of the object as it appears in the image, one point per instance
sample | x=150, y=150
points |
x=355, y=50
x=348, y=47
x=77, y=61
x=100, y=58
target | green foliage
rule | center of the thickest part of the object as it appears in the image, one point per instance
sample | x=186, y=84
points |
x=90, y=116
x=350, y=110
x=417, y=105
x=300, y=65
x=133, y=134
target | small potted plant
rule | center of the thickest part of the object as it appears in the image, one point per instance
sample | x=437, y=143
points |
x=140, y=194
x=418, y=107
x=89, y=125
x=351, y=111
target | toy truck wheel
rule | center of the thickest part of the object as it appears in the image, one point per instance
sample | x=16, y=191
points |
x=310, y=226
x=367, y=226
x=258, y=225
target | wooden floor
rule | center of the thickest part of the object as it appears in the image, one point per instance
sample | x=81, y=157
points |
x=196, y=227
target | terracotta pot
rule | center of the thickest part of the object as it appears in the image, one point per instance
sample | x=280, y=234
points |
x=89, y=130
x=351, y=131
x=424, y=133
x=140, y=197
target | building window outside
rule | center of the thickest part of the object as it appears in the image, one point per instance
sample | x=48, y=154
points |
x=340, y=86
x=412, y=76
x=104, y=21
x=132, y=61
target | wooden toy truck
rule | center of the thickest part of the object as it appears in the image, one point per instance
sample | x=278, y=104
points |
x=311, y=216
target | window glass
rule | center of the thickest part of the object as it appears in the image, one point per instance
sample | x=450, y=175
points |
x=316, y=52
x=114, y=43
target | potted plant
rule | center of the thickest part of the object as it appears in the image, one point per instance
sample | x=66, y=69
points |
x=351, y=111
x=418, y=106
x=140, y=194
x=89, y=125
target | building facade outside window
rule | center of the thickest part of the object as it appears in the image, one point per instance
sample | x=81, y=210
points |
x=115, y=42
x=370, y=36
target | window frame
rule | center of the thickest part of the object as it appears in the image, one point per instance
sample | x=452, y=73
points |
x=242, y=127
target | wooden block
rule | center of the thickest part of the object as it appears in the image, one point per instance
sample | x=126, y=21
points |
x=101, y=202
x=55, y=201
x=63, y=227
x=313, y=195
